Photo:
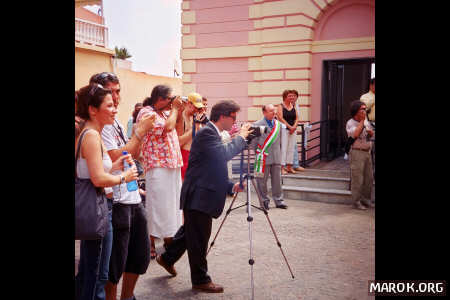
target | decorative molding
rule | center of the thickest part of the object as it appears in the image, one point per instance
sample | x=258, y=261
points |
x=94, y=48
x=364, y=43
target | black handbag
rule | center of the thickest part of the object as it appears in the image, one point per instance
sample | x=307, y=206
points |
x=349, y=144
x=91, y=208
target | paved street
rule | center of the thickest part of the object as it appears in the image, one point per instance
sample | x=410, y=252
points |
x=330, y=248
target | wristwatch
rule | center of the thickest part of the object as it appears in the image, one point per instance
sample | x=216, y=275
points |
x=122, y=179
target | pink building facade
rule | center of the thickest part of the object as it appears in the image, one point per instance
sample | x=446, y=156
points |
x=252, y=50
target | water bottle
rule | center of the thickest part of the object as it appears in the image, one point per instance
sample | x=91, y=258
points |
x=132, y=185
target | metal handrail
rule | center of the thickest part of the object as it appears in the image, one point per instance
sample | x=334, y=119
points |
x=303, y=161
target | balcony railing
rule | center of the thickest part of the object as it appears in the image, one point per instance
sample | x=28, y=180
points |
x=91, y=33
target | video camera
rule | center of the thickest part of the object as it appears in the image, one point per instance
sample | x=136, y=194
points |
x=257, y=131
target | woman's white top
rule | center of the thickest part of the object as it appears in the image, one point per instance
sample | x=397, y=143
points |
x=82, y=168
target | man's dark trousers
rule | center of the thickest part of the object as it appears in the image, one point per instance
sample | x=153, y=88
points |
x=193, y=236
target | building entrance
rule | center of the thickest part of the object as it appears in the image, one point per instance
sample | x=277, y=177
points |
x=343, y=81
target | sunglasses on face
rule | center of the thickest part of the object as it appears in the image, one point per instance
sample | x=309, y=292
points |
x=109, y=75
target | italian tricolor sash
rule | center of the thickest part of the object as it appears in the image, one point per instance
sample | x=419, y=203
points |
x=261, y=151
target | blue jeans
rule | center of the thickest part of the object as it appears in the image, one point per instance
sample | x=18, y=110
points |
x=93, y=266
x=295, y=163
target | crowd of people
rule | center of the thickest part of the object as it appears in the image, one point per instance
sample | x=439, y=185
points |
x=185, y=158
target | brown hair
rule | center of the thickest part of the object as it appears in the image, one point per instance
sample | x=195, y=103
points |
x=223, y=108
x=294, y=92
x=285, y=93
x=90, y=95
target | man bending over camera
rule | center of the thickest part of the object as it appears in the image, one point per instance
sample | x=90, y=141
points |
x=203, y=194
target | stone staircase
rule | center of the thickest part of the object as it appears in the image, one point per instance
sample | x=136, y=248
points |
x=325, y=182
x=329, y=186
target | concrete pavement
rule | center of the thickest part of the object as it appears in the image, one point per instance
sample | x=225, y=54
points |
x=330, y=248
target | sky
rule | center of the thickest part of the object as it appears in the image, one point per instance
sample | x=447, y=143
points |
x=149, y=29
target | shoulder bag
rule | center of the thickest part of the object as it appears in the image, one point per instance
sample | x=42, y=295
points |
x=91, y=208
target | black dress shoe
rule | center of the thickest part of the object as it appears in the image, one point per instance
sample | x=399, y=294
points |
x=266, y=205
x=162, y=263
x=283, y=206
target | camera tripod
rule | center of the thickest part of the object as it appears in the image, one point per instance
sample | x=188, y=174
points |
x=249, y=178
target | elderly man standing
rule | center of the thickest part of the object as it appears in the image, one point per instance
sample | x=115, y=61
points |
x=269, y=148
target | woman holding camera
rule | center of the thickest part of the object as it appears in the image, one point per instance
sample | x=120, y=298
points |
x=162, y=164
x=95, y=105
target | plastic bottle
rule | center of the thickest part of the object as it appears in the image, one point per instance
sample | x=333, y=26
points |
x=132, y=185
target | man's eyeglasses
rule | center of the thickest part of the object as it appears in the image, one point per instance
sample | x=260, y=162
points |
x=233, y=117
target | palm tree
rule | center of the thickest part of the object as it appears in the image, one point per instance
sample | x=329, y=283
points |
x=122, y=53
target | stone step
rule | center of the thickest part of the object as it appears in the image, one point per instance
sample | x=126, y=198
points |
x=325, y=173
x=326, y=195
x=337, y=183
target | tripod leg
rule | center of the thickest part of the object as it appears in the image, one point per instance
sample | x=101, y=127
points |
x=273, y=230
x=223, y=221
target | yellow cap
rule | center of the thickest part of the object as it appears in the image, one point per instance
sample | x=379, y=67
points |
x=196, y=99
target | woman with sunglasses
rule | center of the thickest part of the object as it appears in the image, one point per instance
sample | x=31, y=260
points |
x=162, y=162
x=95, y=105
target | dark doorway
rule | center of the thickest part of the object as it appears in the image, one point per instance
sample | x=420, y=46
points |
x=343, y=82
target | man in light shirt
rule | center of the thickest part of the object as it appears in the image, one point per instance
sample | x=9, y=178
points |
x=369, y=100
x=360, y=159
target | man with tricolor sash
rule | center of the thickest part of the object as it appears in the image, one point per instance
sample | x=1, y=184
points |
x=268, y=158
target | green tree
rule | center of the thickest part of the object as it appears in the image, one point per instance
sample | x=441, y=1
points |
x=122, y=53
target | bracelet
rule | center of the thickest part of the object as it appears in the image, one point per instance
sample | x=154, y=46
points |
x=122, y=179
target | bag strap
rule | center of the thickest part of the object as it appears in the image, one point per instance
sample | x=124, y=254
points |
x=77, y=152
x=119, y=131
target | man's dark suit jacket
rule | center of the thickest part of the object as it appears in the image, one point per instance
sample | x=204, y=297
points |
x=206, y=181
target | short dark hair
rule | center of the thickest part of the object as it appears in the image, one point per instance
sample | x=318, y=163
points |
x=90, y=95
x=285, y=93
x=372, y=81
x=160, y=90
x=354, y=107
x=223, y=108
x=104, y=78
